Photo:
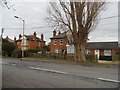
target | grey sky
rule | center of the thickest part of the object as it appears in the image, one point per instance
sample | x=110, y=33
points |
x=34, y=14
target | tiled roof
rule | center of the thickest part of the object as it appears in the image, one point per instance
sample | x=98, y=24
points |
x=62, y=35
x=10, y=40
x=102, y=45
x=31, y=37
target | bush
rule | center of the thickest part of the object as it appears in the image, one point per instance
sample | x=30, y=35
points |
x=118, y=52
x=91, y=58
x=8, y=48
x=4, y=53
x=116, y=57
x=32, y=50
x=18, y=53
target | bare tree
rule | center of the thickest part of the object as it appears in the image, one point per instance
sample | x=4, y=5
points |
x=78, y=17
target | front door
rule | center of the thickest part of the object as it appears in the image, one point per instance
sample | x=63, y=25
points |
x=97, y=53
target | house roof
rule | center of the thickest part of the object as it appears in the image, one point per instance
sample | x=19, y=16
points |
x=10, y=40
x=31, y=37
x=102, y=45
x=62, y=35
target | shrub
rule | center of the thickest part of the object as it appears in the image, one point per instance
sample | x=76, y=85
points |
x=118, y=52
x=32, y=50
x=116, y=57
x=18, y=53
x=91, y=58
x=8, y=47
x=4, y=53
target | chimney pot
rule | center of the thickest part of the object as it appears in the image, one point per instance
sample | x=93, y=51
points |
x=20, y=36
x=14, y=39
x=42, y=37
x=6, y=37
x=54, y=33
x=34, y=35
x=59, y=32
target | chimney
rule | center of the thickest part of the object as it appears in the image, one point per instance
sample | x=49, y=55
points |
x=34, y=35
x=42, y=37
x=20, y=36
x=59, y=32
x=6, y=37
x=54, y=33
x=14, y=39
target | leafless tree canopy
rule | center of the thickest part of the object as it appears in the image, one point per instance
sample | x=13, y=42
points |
x=78, y=17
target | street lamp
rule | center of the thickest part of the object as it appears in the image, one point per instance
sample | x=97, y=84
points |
x=23, y=34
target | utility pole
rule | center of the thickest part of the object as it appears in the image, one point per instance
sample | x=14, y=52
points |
x=23, y=35
x=1, y=41
x=2, y=32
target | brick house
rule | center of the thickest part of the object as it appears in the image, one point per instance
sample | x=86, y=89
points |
x=103, y=50
x=10, y=40
x=64, y=41
x=58, y=42
x=30, y=41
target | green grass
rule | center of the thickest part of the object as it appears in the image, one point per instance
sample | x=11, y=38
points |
x=67, y=60
x=62, y=60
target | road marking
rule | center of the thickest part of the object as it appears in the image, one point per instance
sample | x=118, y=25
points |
x=14, y=64
x=48, y=70
x=110, y=80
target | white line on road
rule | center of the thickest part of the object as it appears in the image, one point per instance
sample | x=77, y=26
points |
x=14, y=64
x=110, y=80
x=60, y=72
x=53, y=71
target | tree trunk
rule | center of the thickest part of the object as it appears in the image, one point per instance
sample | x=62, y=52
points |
x=75, y=53
x=80, y=53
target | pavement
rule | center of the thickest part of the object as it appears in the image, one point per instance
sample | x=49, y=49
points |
x=32, y=74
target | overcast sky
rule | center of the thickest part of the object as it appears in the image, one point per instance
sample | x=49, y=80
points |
x=34, y=14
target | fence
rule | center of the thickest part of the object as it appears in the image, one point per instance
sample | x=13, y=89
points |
x=47, y=55
x=61, y=56
x=116, y=57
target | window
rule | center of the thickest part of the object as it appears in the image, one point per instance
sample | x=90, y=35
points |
x=107, y=52
x=70, y=49
x=96, y=50
x=56, y=50
x=24, y=42
x=61, y=42
x=55, y=42
x=87, y=51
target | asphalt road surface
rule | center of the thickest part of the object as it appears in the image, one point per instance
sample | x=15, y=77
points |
x=29, y=74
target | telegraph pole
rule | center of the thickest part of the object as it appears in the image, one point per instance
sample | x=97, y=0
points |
x=23, y=34
x=1, y=41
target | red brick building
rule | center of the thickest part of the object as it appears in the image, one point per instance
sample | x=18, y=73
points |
x=102, y=49
x=63, y=42
x=30, y=41
x=58, y=42
x=8, y=39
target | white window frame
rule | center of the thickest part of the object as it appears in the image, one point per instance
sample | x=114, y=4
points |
x=107, y=52
x=55, y=41
x=88, y=51
x=56, y=50
x=24, y=42
x=61, y=41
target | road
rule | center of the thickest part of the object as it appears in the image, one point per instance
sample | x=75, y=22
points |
x=29, y=74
